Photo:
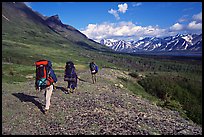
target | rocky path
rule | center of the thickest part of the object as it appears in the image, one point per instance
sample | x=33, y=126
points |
x=100, y=108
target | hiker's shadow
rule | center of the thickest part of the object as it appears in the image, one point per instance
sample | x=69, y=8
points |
x=27, y=98
x=62, y=89
x=84, y=80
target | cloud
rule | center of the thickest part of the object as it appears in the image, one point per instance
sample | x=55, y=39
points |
x=187, y=9
x=194, y=26
x=196, y=23
x=136, y=4
x=121, y=30
x=127, y=30
x=176, y=27
x=184, y=18
x=198, y=17
x=115, y=13
x=187, y=25
x=122, y=7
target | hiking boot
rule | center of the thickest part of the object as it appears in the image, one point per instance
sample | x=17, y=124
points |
x=45, y=111
x=71, y=90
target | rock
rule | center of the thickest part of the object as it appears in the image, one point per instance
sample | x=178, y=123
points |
x=29, y=76
x=120, y=85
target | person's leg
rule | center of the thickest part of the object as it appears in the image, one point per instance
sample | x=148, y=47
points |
x=68, y=87
x=92, y=78
x=71, y=86
x=74, y=85
x=48, y=96
x=95, y=78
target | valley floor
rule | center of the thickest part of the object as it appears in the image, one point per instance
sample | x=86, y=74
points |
x=100, y=108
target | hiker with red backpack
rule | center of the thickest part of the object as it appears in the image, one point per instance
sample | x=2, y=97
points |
x=94, y=69
x=70, y=76
x=45, y=78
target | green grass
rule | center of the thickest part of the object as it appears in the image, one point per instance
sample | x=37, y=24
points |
x=177, y=92
x=138, y=90
x=16, y=73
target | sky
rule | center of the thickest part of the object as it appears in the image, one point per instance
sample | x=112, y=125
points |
x=126, y=20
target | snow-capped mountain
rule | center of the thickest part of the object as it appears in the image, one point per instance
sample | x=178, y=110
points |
x=179, y=42
x=117, y=45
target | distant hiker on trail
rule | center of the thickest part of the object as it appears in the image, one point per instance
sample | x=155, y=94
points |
x=70, y=76
x=94, y=69
x=45, y=78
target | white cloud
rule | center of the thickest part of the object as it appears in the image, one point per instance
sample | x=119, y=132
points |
x=177, y=27
x=185, y=25
x=184, y=18
x=194, y=26
x=121, y=30
x=136, y=4
x=115, y=13
x=122, y=7
x=198, y=17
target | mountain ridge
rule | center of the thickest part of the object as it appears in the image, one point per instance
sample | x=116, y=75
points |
x=179, y=42
x=15, y=13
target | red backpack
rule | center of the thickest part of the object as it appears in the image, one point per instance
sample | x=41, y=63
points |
x=42, y=75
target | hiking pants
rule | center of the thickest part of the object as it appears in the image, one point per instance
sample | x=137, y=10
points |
x=72, y=84
x=48, y=93
x=93, y=77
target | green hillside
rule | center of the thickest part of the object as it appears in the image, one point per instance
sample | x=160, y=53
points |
x=26, y=38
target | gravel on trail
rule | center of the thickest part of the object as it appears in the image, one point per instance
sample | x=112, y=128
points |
x=93, y=109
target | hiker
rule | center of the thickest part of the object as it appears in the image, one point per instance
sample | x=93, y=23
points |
x=94, y=69
x=45, y=78
x=70, y=76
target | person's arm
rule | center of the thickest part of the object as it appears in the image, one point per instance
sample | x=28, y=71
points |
x=52, y=74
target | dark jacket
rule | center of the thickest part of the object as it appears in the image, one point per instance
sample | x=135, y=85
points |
x=91, y=66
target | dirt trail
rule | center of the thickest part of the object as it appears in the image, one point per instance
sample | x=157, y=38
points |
x=100, y=108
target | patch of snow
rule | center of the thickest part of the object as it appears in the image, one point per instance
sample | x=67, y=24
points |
x=188, y=38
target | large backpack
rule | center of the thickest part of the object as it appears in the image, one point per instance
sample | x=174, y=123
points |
x=70, y=73
x=42, y=74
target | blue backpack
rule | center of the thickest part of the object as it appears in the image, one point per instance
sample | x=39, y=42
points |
x=96, y=68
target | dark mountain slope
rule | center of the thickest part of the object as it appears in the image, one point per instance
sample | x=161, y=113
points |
x=20, y=23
